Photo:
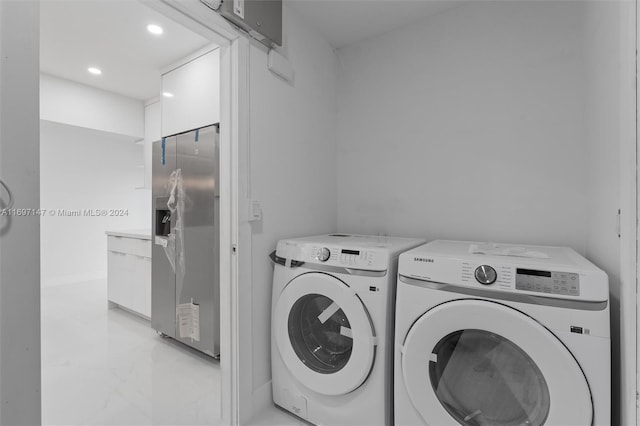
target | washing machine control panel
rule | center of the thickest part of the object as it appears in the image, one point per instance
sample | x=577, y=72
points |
x=349, y=258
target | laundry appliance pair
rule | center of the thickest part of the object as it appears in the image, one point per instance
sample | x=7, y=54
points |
x=502, y=335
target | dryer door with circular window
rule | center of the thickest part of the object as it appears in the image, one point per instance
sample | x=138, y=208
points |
x=324, y=334
x=479, y=362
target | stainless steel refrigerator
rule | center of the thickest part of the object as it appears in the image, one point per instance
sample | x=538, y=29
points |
x=185, y=303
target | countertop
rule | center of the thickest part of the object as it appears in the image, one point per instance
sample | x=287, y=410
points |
x=143, y=234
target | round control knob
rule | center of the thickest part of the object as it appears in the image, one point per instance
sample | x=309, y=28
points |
x=323, y=254
x=486, y=275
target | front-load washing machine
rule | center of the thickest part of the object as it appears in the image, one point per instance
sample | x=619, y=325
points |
x=501, y=335
x=332, y=327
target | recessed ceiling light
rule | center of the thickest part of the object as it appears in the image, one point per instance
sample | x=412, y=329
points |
x=94, y=70
x=167, y=94
x=155, y=29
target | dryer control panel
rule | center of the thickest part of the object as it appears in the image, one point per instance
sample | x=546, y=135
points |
x=553, y=272
x=548, y=281
x=508, y=277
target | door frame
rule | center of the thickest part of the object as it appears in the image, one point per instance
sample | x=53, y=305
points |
x=235, y=388
x=20, y=347
x=20, y=350
x=629, y=237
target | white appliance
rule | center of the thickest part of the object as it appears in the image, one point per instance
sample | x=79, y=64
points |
x=332, y=327
x=501, y=335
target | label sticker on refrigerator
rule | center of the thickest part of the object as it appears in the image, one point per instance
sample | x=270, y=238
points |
x=160, y=241
x=189, y=321
x=162, y=157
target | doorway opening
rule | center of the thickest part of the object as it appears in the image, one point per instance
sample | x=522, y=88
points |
x=102, y=362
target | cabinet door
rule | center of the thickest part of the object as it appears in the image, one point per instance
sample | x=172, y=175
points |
x=117, y=288
x=138, y=287
x=191, y=95
x=147, y=286
x=129, y=273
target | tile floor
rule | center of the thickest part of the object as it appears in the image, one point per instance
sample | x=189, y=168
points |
x=273, y=416
x=109, y=367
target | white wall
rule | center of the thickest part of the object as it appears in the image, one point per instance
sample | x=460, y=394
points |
x=88, y=161
x=68, y=102
x=499, y=121
x=468, y=125
x=292, y=166
x=19, y=245
x=609, y=41
x=86, y=169
x=152, y=131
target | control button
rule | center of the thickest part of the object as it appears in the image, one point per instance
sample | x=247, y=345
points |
x=486, y=275
x=323, y=254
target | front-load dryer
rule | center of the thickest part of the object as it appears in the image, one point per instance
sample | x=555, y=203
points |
x=501, y=335
x=332, y=327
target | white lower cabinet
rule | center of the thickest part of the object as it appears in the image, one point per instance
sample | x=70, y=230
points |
x=129, y=274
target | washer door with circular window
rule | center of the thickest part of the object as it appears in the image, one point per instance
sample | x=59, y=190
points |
x=479, y=362
x=324, y=334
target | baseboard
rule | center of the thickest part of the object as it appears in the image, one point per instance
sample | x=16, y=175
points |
x=113, y=305
x=262, y=398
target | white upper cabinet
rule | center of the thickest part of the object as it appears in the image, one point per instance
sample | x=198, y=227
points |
x=191, y=94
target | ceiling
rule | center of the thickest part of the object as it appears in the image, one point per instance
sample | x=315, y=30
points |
x=111, y=35
x=343, y=22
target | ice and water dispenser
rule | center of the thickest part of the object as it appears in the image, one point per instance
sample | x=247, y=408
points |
x=163, y=217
